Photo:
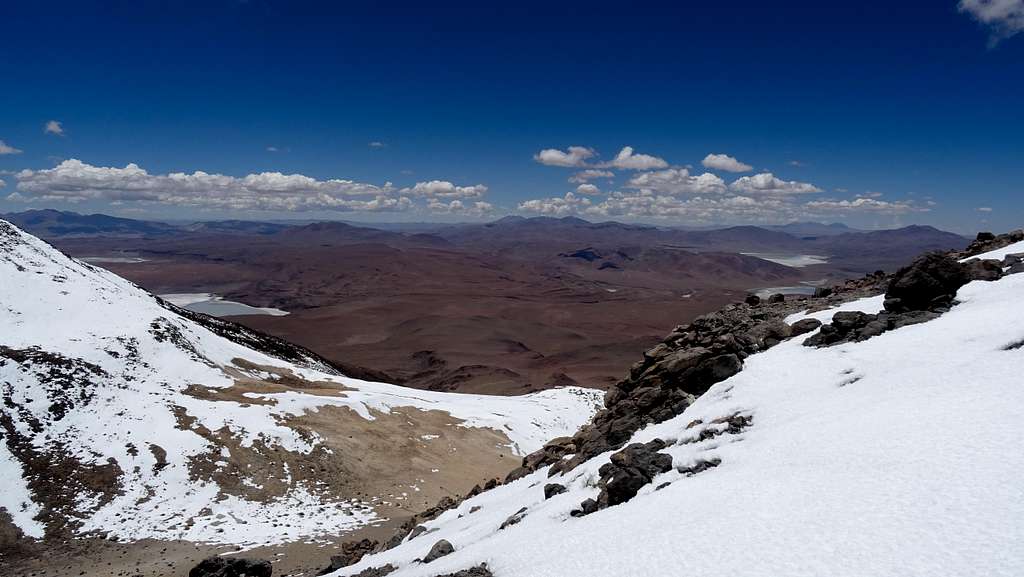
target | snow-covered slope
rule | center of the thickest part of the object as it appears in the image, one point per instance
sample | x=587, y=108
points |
x=122, y=416
x=898, y=455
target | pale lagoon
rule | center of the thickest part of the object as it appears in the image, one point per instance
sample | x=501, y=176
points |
x=790, y=260
x=216, y=306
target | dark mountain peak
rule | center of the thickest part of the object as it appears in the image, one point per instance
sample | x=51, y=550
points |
x=50, y=223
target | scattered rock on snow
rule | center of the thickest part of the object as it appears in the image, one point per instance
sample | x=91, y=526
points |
x=351, y=553
x=478, y=571
x=513, y=519
x=587, y=507
x=988, y=269
x=440, y=549
x=930, y=281
x=987, y=241
x=804, y=326
x=552, y=489
x=629, y=470
x=231, y=567
x=377, y=571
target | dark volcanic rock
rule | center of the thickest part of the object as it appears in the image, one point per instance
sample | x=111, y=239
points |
x=587, y=507
x=685, y=364
x=377, y=571
x=231, y=567
x=931, y=280
x=629, y=470
x=752, y=300
x=987, y=241
x=440, y=549
x=987, y=269
x=916, y=294
x=478, y=571
x=710, y=371
x=552, y=489
x=851, y=326
x=804, y=326
x=351, y=553
x=513, y=519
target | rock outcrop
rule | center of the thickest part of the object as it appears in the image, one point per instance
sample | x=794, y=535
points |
x=440, y=549
x=986, y=241
x=351, y=553
x=917, y=293
x=691, y=359
x=629, y=469
x=232, y=567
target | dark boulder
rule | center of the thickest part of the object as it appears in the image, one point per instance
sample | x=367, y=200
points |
x=752, y=300
x=440, y=549
x=931, y=280
x=351, y=553
x=804, y=326
x=710, y=371
x=846, y=321
x=853, y=326
x=767, y=335
x=987, y=241
x=776, y=298
x=630, y=469
x=377, y=571
x=822, y=292
x=478, y=571
x=987, y=270
x=552, y=489
x=232, y=567
x=587, y=507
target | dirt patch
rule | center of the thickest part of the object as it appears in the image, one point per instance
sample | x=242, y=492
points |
x=397, y=462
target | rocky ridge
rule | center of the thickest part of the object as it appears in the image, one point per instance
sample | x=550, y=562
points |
x=693, y=357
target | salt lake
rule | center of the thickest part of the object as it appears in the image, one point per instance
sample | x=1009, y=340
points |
x=216, y=306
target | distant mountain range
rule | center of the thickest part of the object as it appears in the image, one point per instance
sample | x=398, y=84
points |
x=849, y=249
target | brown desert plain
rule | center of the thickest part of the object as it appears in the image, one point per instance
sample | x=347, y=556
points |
x=503, y=308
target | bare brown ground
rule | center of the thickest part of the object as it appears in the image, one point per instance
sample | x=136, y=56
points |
x=453, y=318
x=94, y=557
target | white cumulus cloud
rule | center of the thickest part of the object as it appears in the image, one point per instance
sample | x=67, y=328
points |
x=626, y=159
x=590, y=174
x=53, y=127
x=7, y=149
x=1004, y=17
x=574, y=156
x=587, y=188
x=556, y=206
x=768, y=183
x=457, y=206
x=74, y=181
x=864, y=204
x=445, y=189
x=677, y=181
x=725, y=162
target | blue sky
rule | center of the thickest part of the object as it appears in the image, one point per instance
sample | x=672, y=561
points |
x=872, y=113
